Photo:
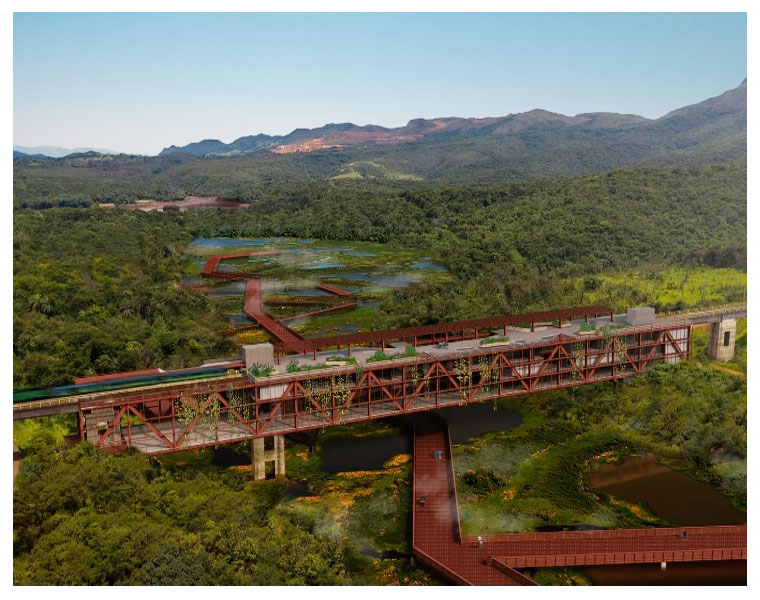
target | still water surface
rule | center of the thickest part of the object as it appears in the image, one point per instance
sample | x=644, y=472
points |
x=680, y=500
x=368, y=454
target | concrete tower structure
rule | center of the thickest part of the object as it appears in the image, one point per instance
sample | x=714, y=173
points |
x=722, y=340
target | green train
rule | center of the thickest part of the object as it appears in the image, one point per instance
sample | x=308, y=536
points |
x=126, y=382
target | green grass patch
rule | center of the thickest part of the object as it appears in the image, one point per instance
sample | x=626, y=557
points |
x=667, y=288
x=494, y=340
x=55, y=427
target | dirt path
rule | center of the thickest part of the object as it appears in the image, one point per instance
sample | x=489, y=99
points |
x=724, y=369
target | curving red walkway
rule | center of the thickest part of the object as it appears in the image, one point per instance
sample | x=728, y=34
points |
x=492, y=559
x=254, y=302
x=254, y=308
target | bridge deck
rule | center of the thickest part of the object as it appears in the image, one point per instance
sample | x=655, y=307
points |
x=492, y=560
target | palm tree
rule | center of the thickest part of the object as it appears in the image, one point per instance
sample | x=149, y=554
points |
x=41, y=304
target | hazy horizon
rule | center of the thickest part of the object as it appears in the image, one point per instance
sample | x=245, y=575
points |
x=81, y=80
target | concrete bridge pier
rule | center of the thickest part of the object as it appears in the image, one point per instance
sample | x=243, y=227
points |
x=722, y=340
x=268, y=450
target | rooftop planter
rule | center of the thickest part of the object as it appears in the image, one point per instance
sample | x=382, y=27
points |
x=379, y=356
x=340, y=361
x=494, y=341
x=257, y=370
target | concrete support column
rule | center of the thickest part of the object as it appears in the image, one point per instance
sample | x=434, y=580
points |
x=258, y=467
x=265, y=450
x=722, y=340
x=279, y=461
x=99, y=419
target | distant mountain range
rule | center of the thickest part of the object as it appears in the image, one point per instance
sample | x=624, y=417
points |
x=450, y=150
x=682, y=130
x=53, y=151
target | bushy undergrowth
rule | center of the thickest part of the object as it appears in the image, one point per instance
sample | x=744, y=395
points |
x=534, y=475
x=82, y=517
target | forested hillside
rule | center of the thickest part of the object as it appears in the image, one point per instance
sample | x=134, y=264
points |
x=535, y=144
x=97, y=292
x=95, y=289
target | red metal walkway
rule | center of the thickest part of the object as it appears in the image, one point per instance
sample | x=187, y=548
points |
x=211, y=266
x=254, y=308
x=254, y=303
x=493, y=559
x=333, y=289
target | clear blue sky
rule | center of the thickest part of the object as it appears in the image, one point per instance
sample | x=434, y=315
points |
x=139, y=82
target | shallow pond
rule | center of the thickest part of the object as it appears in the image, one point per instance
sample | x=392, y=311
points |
x=473, y=420
x=428, y=265
x=341, y=454
x=679, y=499
x=369, y=454
x=235, y=288
x=304, y=292
x=668, y=493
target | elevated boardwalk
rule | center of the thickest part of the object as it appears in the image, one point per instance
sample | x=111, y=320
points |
x=493, y=559
x=254, y=308
x=287, y=339
x=211, y=266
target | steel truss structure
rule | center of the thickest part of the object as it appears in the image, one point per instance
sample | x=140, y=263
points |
x=178, y=416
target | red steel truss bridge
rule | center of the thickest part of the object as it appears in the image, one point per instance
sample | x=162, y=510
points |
x=235, y=407
x=437, y=541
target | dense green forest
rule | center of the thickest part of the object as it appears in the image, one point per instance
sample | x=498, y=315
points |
x=95, y=289
x=96, y=292
x=82, y=517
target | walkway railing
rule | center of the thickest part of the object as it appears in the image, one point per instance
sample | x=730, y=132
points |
x=493, y=559
x=708, y=311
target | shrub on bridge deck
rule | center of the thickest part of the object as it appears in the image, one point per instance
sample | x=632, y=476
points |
x=257, y=370
x=409, y=352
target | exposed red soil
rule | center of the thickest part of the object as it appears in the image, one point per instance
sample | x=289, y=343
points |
x=304, y=146
x=411, y=132
x=187, y=203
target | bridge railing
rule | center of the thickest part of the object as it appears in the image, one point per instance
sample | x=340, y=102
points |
x=708, y=311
